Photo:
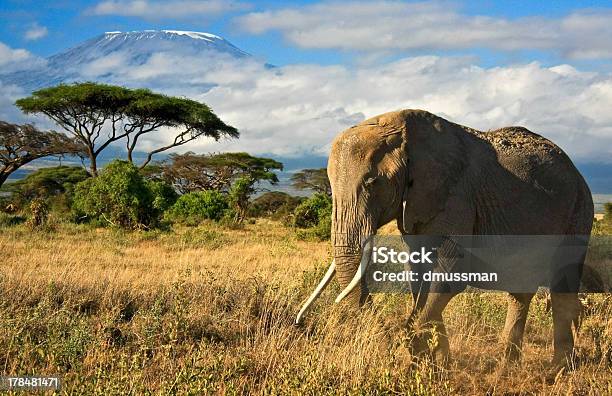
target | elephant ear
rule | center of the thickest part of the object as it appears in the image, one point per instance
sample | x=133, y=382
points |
x=436, y=161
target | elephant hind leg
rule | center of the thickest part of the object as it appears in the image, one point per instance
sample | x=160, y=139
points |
x=566, y=310
x=518, y=308
x=431, y=335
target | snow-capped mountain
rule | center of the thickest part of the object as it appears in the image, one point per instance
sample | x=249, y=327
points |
x=133, y=58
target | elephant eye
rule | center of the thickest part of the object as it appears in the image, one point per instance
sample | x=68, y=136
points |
x=369, y=181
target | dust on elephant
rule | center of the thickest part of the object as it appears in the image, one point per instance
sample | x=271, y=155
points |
x=439, y=178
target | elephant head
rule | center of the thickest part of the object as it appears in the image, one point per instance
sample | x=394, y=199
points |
x=372, y=169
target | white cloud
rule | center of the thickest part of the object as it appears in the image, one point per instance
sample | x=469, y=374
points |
x=12, y=59
x=173, y=71
x=167, y=9
x=299, y=109
x=9, y=55
x=397, y=25
x=104, y=65
x=8, y=95
x=36, y=32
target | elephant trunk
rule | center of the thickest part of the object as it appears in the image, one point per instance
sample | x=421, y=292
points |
x=347, y=264
x=347, y=238
x=349, y=232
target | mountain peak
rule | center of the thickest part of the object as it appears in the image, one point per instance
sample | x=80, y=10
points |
x=158, y=41
x=195, y=35
x=102, y=57
x=150, y=33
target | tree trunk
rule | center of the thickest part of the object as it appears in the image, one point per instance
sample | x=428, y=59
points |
x=6, y=171
x=4, y=174
x=93, y=163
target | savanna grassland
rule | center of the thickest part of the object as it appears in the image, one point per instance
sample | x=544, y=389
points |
x=210, y=310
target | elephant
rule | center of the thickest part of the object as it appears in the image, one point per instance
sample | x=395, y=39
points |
x=435, y=177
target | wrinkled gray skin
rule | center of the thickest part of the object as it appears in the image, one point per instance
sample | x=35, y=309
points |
x=455, y=180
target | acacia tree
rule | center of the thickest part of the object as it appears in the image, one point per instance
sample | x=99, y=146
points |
x=100, y=114
x=189, y=119
x=312, y=179
x=191, y=172
x=83, y=110
x=21, y=144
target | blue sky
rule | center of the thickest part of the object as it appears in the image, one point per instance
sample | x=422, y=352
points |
x=69, y=22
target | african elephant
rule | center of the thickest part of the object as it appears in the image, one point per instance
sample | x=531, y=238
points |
x=435, y=177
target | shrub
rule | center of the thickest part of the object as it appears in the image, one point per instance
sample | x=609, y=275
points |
x=164, y=195
x=604, y=226
x=274, y=204
x=46, y=182
x=311, y=211
x=239, y=195
x=119, y=196
x=55, y=185
x=314, y=214
x=6, y=205
x=192, y=208
x=39, y=213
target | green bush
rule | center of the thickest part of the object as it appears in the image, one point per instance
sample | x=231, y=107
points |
x=39, y=214
x=311, y=211
x=238, y=197
x=192, y=208
x=314, y=215
x=164, y=195
x=274, y=204
x=55, y=185
x=120, y=196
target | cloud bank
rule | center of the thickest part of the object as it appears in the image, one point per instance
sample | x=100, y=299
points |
x=397, y=25
x=296, y=110
x=158, y=10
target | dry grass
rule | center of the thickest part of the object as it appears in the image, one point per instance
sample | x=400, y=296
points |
x=210, y=310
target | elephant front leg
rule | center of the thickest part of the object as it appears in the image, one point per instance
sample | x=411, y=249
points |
x=430, y=334
x=518, y=308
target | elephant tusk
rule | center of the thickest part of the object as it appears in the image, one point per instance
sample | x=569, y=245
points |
x=365, y=259
x=324, y=282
